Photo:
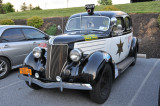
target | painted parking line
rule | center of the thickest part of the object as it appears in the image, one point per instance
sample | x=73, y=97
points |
x=14, y=83
x=143, y=83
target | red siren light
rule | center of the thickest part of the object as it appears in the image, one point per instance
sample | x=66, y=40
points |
x=90, y=8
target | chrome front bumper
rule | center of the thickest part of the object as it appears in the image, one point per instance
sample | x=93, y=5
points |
x=59, y=84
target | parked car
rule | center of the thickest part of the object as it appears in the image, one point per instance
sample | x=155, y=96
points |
x=16, y=42
x=95, y=49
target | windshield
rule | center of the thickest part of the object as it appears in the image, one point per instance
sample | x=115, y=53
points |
x=88, y=23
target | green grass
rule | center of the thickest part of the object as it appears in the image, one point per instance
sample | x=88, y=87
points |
x=141, y=7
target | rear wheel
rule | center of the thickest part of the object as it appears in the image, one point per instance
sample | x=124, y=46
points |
x=5, y=67
x=33, y=86
x=135, y=58
x=101, y=90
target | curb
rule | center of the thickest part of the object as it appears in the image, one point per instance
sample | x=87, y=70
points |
x=141, y=55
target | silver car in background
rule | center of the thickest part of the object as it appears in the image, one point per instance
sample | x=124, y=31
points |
x=16, y=42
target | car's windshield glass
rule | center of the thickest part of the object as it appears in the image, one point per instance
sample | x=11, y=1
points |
x=100, y=23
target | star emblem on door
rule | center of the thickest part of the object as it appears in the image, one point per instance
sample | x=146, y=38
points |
x=120, y=48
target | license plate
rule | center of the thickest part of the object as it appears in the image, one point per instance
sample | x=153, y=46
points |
x=25, y=71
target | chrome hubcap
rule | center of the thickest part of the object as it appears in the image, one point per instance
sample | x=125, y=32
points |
x=3, y=67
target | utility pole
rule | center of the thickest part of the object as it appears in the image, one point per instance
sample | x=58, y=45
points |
x=67, y=3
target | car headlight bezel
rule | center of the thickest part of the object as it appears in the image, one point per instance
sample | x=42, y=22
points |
x=75, y=55
x=37, y=52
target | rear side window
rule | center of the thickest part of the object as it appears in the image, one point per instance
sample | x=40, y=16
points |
x=12, y=35
x=33, y=33
x=127, y=23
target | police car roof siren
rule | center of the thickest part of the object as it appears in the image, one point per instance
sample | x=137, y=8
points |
x=90, y=8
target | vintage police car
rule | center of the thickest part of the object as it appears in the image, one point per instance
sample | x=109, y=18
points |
x=95, y=49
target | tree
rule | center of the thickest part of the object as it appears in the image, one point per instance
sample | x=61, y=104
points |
x=8, y=7
x=30, y=7
x=23, y=7
x=1, y=8
x=105, y=2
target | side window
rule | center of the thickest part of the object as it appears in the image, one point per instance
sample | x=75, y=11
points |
x=127, y=23
x=12, y=35
x=33, y=33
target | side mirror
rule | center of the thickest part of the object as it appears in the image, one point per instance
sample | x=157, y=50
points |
x=117, y=30
x=113, y=21
x=59, y=28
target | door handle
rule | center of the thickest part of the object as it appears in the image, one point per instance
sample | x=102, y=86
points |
x=6, y=46
x=34, y=43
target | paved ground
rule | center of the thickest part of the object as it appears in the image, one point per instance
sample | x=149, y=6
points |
x=137, y=86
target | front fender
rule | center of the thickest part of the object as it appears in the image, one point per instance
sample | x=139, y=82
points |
x=95, y=63
x=32, y=62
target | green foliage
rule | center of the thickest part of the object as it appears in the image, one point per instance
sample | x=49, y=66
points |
x=8, y=7
x=1, y=7
x=23, y=7
x=35, y=21
x=110, y=8
x=30, y=7
x=105, y=2
x=51, y=30
x=159, y=20
x=37, y=8
x=7, y=22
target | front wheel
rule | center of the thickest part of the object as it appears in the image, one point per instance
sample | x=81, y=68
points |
x=33, y=86
x=101, y=90
x=4, y=67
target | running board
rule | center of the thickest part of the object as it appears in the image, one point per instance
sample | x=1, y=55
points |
x=125, y=64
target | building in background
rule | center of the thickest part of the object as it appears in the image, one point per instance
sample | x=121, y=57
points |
x=120, y=1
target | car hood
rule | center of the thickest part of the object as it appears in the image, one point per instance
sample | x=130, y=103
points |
x=66, y=38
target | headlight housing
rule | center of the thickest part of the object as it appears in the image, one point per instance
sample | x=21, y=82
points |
x=75, y=55
x=37, y=52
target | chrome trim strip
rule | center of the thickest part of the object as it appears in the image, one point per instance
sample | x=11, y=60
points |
x=49, y=62
x=56, y=84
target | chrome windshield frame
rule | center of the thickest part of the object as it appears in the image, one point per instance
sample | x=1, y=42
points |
x=81, y=25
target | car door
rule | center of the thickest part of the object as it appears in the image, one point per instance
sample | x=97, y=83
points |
x=119, y=44
x=14, y=45
x=128, y=34
x=34, y=37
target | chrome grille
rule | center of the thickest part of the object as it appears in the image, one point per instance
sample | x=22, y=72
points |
x=56, y=60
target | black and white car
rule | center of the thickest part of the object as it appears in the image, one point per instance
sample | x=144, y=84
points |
x=95, y=49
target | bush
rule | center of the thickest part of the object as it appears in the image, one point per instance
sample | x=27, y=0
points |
x=51, y=30
x=105, y=2
x=7, y=22
x=110, y=8
x=37, y=8
x=35, y=21
x=8, y=7
x=159, y=20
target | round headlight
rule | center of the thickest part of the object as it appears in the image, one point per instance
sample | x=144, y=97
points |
x=37, y=52
x=75, y=55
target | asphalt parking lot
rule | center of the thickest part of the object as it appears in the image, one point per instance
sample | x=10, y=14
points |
x=137, y=86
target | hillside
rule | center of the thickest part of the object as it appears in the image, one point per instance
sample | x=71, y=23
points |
x=142, y=7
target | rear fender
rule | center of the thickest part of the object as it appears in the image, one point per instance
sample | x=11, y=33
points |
x=134, y=45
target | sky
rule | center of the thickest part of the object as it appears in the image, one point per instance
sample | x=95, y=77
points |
x=50, y=4
x=53, y=4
